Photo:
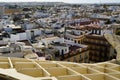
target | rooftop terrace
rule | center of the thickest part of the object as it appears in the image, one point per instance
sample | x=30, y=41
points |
x=27, y=69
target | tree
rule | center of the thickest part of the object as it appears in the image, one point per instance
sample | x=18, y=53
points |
x=16, y=18
x=27, y=16
x=26, y=9
x=105, y=7
x=108, y=22
x=57, y=54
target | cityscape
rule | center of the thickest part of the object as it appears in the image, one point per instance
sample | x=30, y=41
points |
x=60, y=40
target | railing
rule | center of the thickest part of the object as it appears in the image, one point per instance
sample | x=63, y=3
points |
x=93, y=43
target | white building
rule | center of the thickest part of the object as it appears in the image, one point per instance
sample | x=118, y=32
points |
x=63, y=49
x=47, y=41
x=40, y=14
x=18, y=36
x=28, y=26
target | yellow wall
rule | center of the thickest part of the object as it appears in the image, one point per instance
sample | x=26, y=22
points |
x=79, y=40
x=71, y=59
x=11, y=11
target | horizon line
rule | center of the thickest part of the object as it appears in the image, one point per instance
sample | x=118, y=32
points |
x=52, y=1
x=58, y=2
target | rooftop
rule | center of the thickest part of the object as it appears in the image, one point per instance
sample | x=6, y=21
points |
x=59, y=44
x=74, y=47
x=28, y=69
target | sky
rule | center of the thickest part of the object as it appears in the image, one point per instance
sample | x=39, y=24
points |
x=67, y=1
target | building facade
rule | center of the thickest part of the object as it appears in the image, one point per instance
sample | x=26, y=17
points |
x=99, y=47
x=76, y=54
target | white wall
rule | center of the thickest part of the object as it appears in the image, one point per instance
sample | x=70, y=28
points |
x=22, y=36
x=55, y=25
x=61, y=40
x=28, y=34
x=77, y=32
x=60, y=48
x=18, y=36
x=14, y=37
x=29, y=26
x=3, y=42
x=40, y=14
x=4, y=49
x=47, y=41
x=37, y=32
x=73, y=43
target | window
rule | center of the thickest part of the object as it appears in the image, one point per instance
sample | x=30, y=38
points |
x=62, y=51
x=102, y=54
x=79, y=42
x=75, y=41
x=80, y=58
x=81, y=33
x=65, y=50
x=86, y=56
x=74, y=59
x=101, y=42
x=96, y=41
x=106, y=43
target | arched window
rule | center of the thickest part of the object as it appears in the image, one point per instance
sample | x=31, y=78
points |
x=75, y=41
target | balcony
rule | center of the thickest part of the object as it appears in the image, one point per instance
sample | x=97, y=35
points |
x=93, y=43
x=95, y=37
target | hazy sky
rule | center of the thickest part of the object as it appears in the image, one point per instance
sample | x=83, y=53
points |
x=68, y=1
